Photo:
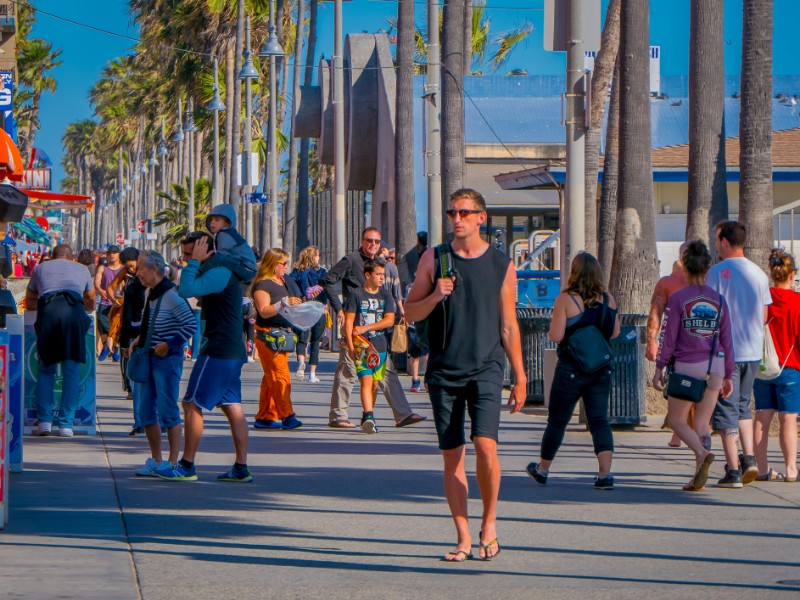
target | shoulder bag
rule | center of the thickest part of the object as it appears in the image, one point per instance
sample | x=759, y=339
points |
x=588, y=347
x=692, y=389
x=278, y=340
x=138, y=369
x=771, y=366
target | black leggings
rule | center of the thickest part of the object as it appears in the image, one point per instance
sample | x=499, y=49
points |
x=311, y=337
x=569, y=386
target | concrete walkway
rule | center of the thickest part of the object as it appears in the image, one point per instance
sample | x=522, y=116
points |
x=337, y=514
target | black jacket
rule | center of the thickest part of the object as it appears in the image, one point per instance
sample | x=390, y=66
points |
x=61, y=326
x=132, y=308
x=350, y=271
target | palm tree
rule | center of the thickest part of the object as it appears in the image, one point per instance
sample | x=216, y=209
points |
x=36, y=59
x=172, y=216
x=405, y=218
x=607, y=221
x=708, y=194
x=601, y=77
x=755, y=130
x=290, y=207
x=452, y=102
x=303, y=221
x=635, y=266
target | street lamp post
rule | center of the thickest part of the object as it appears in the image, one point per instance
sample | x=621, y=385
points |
x=247, y=74
x=339, y=199
x=190, y=128
x=432, y=109
x=272, y=49
x=151, y=213
x=178, y=139
x=216, y=106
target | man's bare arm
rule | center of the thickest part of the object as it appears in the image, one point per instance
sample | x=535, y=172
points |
x=512, y=341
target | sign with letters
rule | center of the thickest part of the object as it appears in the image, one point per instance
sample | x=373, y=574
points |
x=6, y=90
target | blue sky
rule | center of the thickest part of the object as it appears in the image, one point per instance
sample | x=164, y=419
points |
x=85, y=52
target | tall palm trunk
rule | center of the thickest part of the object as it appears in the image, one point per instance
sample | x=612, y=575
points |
x=230, y=146
x=236, y=112
x=603, y=68
x=607, y=222
x=452, y=102
x=290, y=208
x=468, y=36
x=303, y=235
x=755, y=130
x=405, y=221
x=635, y=267
x=707, y=186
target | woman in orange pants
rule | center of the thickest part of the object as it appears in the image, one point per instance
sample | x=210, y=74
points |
x=270, y=289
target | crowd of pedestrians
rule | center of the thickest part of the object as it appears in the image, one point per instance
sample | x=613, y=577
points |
x=708, y=331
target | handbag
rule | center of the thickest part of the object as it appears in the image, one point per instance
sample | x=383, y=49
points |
x=587, y=346
x=400, y=337
x=771, y=365
x=684, y=387
x=138, y=369
x=278, y=340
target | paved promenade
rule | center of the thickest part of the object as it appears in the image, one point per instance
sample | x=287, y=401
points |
x=337, y=514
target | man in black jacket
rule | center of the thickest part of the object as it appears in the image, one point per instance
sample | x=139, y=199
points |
x=350, y=272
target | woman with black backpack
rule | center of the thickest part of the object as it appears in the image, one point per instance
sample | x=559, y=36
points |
x=584, y=319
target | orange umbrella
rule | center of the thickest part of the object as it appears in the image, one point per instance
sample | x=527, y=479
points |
x=10, y=160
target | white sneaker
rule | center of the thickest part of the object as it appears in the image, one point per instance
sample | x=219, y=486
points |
x=301, y=372
x=313, y=379
x=250, y=359
x=151, y=466
x=44, y=429
x=65, y=432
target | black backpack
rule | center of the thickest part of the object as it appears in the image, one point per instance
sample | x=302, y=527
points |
x=441, y=269
x=588, y=348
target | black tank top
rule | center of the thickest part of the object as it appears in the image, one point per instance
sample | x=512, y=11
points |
x=464, y=330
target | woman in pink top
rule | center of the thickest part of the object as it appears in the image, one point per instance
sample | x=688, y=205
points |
x=696, y=326
x=781, y=394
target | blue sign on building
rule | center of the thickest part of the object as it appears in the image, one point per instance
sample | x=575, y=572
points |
x=7, y=90
x=258, y=198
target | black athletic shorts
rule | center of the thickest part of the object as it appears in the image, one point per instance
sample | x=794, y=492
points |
x=103, y=311
x=481, y=399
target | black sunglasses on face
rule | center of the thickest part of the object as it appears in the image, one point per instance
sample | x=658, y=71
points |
x=372, y=240
x=462, y=212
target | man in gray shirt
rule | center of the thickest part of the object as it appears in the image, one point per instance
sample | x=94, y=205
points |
x=62, y=292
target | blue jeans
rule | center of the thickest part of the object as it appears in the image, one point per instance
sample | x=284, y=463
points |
x=45, y=398
x=157, y=400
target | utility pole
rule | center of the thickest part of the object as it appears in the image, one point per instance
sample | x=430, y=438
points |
x=216, y=106
x=576, y=139
x=273, y=135
x=189, y=129
x=248, y=73
x=339, y=199
x=433, y=116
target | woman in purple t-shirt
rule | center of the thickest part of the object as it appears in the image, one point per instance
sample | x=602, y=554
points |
x=696, y=324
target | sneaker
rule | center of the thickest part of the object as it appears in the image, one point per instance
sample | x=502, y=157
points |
x=151, y=466
x=301, y=372
x=313, y=379
x=732, y=479
x=265, y=424
x=291, y=422
x=250, y=359
x=65, y=432
x=176, y=472
x=604, y=483
x=115, y=356
x=136, y=431
x=415, y=385
x=44, y=429
x=103, y=354
x=237, y=475
x=748, y=468
x=533, y=472
x=368, y=425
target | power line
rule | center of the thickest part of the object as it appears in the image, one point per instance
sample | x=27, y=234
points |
x=461, y=3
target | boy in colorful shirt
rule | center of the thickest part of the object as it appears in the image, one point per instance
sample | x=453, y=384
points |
x=369, y=312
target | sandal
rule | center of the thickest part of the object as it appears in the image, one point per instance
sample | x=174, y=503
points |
x=485, y=547
x=701, y=476
x=341, y=424
x=771, y=475
x=458, y=556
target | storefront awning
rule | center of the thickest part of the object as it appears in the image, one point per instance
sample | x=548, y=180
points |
x=10, y=160
x=56, y=201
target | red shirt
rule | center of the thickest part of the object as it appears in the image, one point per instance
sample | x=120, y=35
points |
x=784, y=324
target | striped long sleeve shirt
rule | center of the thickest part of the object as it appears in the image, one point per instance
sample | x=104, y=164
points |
x=175, y=322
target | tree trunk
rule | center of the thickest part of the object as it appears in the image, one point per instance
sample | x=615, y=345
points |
x=230, y=148
x=467, y=36
x=635, y=267
x=755, y=130
x=303, y=221
x=452, y=102
x=236, y=113
x=603, y=68
x=290, y=207
x=707, y=186
x=405, y=221
x=607, y=225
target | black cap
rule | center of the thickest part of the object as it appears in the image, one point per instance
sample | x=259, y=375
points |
x=113, y=248
x=194, y=236
x=422, y=238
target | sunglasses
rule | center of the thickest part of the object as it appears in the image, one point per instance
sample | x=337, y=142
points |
x=392, y=257
x=462, y=212
x=372, y=240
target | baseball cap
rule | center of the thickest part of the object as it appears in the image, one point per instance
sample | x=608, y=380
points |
x=113, y=248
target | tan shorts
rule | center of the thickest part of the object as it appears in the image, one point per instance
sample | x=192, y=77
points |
x=698, y=371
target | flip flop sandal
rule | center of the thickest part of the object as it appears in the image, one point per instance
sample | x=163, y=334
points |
x=485, y=547
x=341, y=425
x=463, y=554
x=701, y=476
x=771, y=475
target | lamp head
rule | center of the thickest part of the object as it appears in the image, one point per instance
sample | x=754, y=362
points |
x=272, y=47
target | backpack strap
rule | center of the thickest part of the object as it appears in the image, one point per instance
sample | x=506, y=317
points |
x=443, y=254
